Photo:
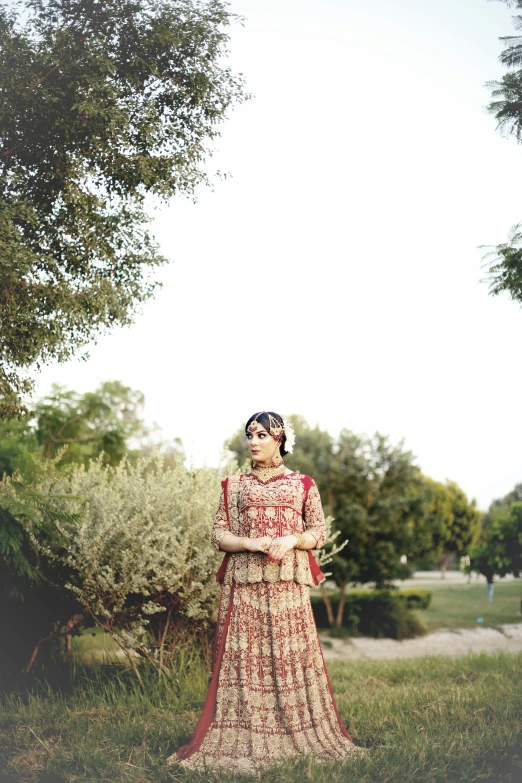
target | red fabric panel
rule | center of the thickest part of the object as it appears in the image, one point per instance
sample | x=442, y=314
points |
x=209, y=708
x=220, y=573
x=317, y=574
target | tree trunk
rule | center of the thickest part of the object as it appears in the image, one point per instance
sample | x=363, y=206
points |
x=443, y=560
x=328, y=604
x=340, y=607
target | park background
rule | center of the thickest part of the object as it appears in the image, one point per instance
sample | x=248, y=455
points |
x=334, y=275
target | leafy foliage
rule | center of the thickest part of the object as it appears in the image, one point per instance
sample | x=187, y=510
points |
x=33, y=602
x=504, y=266
x=377, y=613
x=139, y=558
x=501, y=552
x=501, y=508
x=80, y=427
x=453, y=523
x=504, y=262
x=103, y=103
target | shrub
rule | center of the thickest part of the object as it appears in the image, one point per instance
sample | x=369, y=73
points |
x=416, y=599
x=139, y=559
x=377, y=613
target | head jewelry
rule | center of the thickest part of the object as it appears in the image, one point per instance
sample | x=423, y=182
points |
x=276, y=429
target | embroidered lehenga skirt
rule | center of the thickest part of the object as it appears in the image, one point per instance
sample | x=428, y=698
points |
x=270, y=697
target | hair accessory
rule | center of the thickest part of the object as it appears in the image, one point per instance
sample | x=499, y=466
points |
x=290, y=435
x=277, y=430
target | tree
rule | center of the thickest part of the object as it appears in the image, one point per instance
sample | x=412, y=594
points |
x=504, y=262
x=79, y=426
x=501, y=553
x=504, y=265
x=498, y=550
x=89, y=424
x=500, y=507
x=377, y=497
x=453, y=522
x=103, y=104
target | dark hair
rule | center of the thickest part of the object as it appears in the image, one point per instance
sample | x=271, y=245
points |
x=263, y=418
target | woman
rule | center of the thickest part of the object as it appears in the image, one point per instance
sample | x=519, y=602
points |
x=269, y=696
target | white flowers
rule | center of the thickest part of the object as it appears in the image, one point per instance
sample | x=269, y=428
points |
x=290, y=435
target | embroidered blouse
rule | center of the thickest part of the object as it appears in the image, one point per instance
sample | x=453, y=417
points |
x=283, y=505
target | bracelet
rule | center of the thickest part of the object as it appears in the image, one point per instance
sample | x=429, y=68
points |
x=241, y=547
x=301, y=541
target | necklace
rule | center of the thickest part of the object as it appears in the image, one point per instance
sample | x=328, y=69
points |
x=266, y=472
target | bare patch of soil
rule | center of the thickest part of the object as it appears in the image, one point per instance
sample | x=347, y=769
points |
x=504, y=638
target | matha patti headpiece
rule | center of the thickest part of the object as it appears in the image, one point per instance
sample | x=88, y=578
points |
x=276, y=430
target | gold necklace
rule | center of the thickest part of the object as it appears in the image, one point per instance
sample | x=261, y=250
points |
x=266, y=472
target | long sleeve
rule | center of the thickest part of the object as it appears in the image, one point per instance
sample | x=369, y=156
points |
x=221, y=524
x=314, y=516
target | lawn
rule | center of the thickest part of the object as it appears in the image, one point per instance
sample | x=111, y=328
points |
x=435, y=720
x=459, y=605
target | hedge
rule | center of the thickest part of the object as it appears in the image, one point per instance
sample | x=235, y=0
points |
x=377, y=613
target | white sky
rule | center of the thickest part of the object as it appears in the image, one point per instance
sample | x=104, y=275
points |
x=336, y=273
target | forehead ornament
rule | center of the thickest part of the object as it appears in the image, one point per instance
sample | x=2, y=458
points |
x=276, y=430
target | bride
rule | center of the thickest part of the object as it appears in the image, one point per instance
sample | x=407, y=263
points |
x=269, y=697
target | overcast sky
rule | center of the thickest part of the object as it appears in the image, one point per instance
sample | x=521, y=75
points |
x=336, y=273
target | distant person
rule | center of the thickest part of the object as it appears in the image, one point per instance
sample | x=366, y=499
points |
x=269, y=697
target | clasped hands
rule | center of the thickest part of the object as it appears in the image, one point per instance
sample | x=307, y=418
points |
x=274, y=548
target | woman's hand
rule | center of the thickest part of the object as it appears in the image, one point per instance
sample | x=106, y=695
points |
x=280, y=546
x=257, y=544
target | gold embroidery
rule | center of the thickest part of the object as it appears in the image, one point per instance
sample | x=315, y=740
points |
x=277, y=508
x=273, y=701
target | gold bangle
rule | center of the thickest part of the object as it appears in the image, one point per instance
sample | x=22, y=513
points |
x=241, y=547
x=301, y=541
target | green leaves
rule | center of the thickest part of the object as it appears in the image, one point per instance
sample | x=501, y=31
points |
x=101, y=103
x=504, y=266
x=500, y=551
x=504, y=262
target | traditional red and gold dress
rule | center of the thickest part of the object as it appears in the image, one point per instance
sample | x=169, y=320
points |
x=269, y=696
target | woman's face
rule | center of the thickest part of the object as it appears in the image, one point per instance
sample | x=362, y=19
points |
x=261, y=445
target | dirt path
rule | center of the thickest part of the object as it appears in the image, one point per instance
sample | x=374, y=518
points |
x=506, y=638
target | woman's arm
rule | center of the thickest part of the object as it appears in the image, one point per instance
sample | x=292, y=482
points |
x=231, y=543
x=314, y=517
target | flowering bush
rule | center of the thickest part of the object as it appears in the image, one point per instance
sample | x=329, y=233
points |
x=139, y=558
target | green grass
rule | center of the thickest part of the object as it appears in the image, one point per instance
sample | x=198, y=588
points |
x=459, y=605
x=435, y=720
x=94, y=646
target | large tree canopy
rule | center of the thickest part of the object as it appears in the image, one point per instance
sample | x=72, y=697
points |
x=102, y=103
x=503, y=262
x=452, y=522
